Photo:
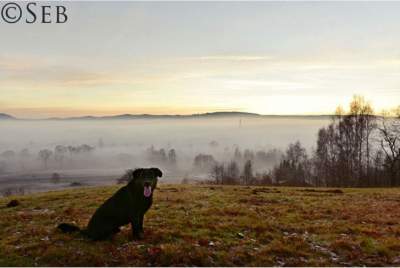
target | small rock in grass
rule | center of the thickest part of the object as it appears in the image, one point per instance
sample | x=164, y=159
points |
x=241, y=235
x=396, y=260
x=46, y=238
x=13, y=203
x=280, y=263
x=334, y=259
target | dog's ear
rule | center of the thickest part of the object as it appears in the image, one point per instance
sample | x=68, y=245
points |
x=157, y=172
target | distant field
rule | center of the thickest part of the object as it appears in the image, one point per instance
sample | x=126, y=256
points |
x=211, y=225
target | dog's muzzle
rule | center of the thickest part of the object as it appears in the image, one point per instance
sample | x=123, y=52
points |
x=147, y=189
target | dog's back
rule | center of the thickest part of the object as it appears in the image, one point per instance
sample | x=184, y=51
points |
x=112, y=214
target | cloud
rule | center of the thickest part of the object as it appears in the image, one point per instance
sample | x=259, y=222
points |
x=19, y=71
x=234, y=58
x=17, y=64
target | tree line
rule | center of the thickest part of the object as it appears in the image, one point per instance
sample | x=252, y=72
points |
x=48, y=157
x=357, y=149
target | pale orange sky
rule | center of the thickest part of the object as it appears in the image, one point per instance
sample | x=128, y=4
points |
x=183, y=58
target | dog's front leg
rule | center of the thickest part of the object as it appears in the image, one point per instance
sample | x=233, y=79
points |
x=141, y=223
x=135, y=224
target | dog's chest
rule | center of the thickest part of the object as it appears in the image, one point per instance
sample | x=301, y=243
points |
x=142, y=204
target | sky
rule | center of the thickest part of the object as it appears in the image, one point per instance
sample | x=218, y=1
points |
x=194, y=57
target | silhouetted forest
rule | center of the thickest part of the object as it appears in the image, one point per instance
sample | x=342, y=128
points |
x=357, y=149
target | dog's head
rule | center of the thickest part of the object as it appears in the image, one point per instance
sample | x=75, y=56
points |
x=144, y=180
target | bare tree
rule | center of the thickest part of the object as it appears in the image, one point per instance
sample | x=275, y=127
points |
x=204, y=161
x=295, y=167
x=343, y=154
x=45, y=155
x=59, y=154
x=218, y=173
x=389, y=130
x=232, y=173
x=156, y=156
x=237, y=155
x=248, y=155
x=363, y=119
x=172, y=157
x=84, y=148
x=248, y=172
x=24, y=155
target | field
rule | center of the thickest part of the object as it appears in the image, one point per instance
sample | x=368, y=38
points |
x=204, y=225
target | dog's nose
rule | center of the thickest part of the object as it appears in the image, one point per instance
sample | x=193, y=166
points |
x=146, y=183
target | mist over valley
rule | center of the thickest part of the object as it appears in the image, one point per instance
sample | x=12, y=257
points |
x=41, y=155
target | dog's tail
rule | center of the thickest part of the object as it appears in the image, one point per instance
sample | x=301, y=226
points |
x=68, y=228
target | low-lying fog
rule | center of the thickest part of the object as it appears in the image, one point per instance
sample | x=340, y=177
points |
x=39, y=155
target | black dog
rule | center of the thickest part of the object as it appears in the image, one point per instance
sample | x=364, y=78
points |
x=127, y=205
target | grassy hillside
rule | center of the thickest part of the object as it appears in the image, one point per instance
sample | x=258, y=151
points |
x=211, y=225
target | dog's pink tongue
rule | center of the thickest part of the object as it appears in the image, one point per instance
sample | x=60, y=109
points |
x=147, y=191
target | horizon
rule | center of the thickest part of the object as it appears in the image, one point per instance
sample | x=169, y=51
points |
x=271, y=58
x=167, y=115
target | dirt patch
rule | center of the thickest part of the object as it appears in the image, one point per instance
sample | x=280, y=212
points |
x=265, y=190
x=330, y=191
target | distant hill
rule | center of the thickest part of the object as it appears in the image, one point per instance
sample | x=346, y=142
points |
x=154, y=116
x=6, y=117
x=191, y=116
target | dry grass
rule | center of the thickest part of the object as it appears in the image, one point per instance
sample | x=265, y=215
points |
x=211, y=226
